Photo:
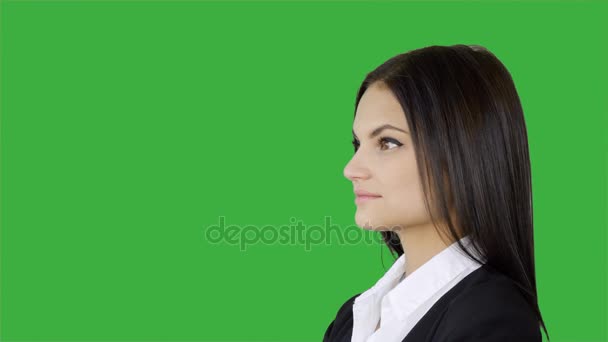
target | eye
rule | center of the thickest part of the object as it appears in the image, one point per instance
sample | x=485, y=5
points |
x=385, y=140
x=356, y=144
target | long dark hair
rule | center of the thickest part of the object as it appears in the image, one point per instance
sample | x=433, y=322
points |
x=467, y=126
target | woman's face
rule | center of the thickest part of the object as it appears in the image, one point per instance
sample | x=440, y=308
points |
x=385, y=164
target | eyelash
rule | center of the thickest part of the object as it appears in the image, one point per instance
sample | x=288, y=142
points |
x=380, y=140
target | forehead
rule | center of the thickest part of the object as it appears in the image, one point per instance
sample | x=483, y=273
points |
x=378, y=106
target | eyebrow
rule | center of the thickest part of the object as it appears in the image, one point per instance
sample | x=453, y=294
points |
x=378, y=130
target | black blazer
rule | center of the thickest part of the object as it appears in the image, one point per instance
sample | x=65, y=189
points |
x=484, y=306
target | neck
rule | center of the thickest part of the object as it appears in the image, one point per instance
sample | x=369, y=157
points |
x=420, y=244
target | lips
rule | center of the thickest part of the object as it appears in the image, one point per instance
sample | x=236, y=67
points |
x=364, y=196
x=364, y=193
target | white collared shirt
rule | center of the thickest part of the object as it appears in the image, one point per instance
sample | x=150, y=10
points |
x=399, y=304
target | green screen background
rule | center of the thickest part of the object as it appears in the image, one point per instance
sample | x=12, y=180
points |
x=129, y=128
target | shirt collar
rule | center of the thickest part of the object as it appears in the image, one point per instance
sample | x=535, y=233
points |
x=426, y=280
x=384, y=284
x=405, y=296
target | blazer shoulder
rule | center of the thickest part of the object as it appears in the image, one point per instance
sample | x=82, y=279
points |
x=491, y=309
x=348, y=304
x=338, y=328
x=346, y=309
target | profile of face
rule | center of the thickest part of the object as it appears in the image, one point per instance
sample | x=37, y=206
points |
x=384, y=165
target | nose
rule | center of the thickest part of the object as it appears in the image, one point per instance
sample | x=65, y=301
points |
x=355, y=169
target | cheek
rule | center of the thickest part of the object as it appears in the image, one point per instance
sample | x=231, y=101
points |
x=400, y=177
x=404, y=199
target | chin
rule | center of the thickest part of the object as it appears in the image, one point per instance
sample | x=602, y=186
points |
x=366, y=226
x=367, y=223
